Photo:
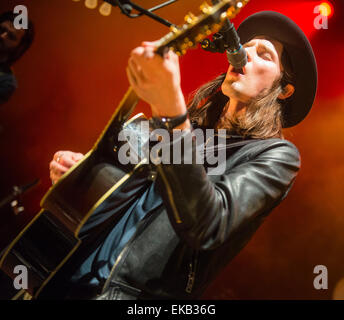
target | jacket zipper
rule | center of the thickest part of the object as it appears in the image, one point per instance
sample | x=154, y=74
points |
x=170, y=196
x=192, y=273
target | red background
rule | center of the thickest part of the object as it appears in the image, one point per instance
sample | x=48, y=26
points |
x=72, y=78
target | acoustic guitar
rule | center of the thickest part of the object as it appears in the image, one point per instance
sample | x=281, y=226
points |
x=51, y=237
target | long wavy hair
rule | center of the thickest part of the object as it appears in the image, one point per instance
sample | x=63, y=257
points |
x=263, y=116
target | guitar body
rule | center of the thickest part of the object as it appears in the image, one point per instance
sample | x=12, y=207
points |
x=52, y=236
x=49, y=240
x=42, y=248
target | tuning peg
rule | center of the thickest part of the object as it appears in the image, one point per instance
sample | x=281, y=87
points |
x=190, y=18
x=91, y=4
x=239, y=5
x=174, y=29
x=206, y=31
x=216, y=27
x=188, y=43
x=235, y=10
x=223, y=16
x=205, y=7
x=230, y=12
x=105, y=9
x=184, y=46
x=199, y=37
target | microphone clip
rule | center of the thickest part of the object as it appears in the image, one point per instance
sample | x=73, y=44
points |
x=216, y=45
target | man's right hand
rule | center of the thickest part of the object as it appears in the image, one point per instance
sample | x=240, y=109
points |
x=62, y=162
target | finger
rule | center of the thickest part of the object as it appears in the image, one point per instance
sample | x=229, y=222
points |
x=149, y=53
x=170, y=55
x=150, y=43
x=67, y=162
x=57, y=155
x=56, y=171
x=64, y=158
x=137, y=72
x=77, y=156
x=137, y=52
x=55, y=177
x=147, y=61
x=141, y=54
x=56, y=174
x=57, y=167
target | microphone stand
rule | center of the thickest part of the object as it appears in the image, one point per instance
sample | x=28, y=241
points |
x=12, y=199
x=16, y=192
x=127, y=6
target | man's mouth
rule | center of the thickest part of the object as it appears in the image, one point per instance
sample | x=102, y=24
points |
x=236, y=71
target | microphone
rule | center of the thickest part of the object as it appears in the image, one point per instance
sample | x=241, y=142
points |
x=236, y=54
x=227, y=39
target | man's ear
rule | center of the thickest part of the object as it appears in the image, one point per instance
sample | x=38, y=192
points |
x=288, y=90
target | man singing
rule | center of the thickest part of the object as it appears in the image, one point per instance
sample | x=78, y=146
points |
x=169, y=238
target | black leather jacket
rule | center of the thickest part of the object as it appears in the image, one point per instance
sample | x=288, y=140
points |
x=206, y=220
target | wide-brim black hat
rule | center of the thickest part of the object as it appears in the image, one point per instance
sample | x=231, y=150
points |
x=296, y=44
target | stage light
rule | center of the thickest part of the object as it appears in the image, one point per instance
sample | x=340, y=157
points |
x=326, y=9
x=105, y=9
x=91, y=4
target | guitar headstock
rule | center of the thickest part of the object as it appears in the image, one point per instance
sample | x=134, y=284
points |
x=197, y=28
